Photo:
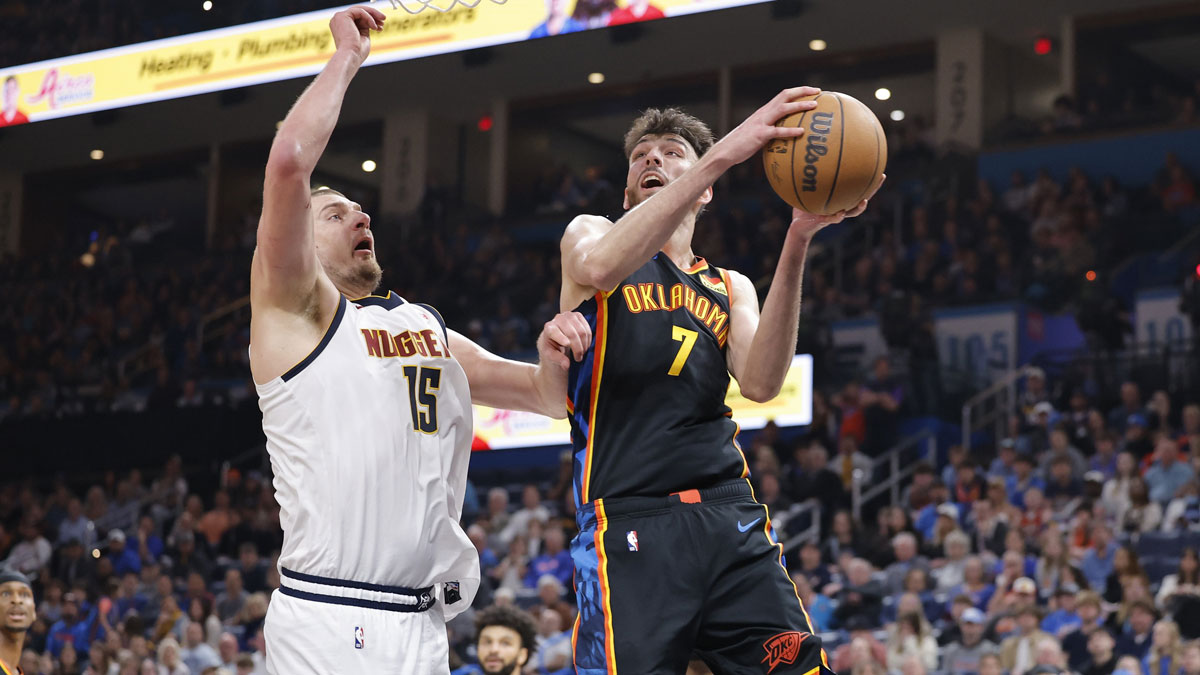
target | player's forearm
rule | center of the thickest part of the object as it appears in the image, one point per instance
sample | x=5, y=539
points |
x=645, y=229
x=774, y=342
x=302, y=137
x=550, y=383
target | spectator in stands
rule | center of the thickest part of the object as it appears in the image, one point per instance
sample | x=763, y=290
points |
x=949, y=572
x=531, y=509
x=554, y=560
x=968, y=485
x=904, y=547
x=1054, y=568
x=197, y=654
x=1136, y=639
x=74, y=628
x=215, y=523
x=1035, y=391
x=227, y=650
x=882, y=396
x=1077, y=643
x=1183, y=512
x=169, y=661
x=1061, y=448
x=974, y=585
x=1002, y=466
x=1115, y=496
x=1137, y=440
x=964, y=656
x=843, y=539
x=911, y=636
x=1167, y=474
x=553, y=651
x=231, y=600
x=1104, y=459
x=1163, y=655
x=33, y=552
x=1101, y=659
x=76, y=526
x=1036, y=515
x=1131, y=404
x=1179, y=593
x=849, y=461
x=1062, y=619
x=149, y=544
x=254, y=576
x=1125, y=563
x=818, y=605
x=1023, y=480
x=989, y=525
x=811, y=565
x=123, y=559
x=1018, y=652
x=860, y=598
x=1179, y=192
x=1142, y=515
x=1062, y=488
x=188, y=559
x=860, y=651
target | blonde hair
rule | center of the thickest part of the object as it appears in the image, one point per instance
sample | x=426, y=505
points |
x=1173, y=651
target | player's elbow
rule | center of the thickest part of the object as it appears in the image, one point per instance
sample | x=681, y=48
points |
x=761, y=392
x=286, y=158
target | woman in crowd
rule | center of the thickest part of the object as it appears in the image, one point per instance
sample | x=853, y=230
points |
x=1125, y=563
x=1115, y=494
x=910, y=636
x=1163, y=657
x=1142, y=515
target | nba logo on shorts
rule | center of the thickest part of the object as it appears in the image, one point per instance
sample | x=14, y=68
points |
x=360, y=638
x=631, y=537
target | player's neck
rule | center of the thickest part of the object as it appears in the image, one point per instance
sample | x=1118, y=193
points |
x=11, y=643
x=679, y=247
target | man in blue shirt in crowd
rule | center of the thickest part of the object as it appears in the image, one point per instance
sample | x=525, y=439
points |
x=554, y=560
x=1167, y=474
x=1063, y=619
x=76, y=626
x=124, y=559
x=1097, y=563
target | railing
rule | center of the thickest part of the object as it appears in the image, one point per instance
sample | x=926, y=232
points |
x=811, y=509
x=898, y=469
x=992, y=406
x=145, y=358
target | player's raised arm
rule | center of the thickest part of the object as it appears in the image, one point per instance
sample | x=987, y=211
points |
x=285, y=270
x=761, y=347
x=598, y=254
x=513, y=385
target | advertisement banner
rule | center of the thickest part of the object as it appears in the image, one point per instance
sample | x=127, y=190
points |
x=1157, y=318
x=978, y=341
x=281, y=49
x=497, y=429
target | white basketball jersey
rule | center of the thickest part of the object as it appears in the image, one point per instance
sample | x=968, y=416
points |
x=369, y=439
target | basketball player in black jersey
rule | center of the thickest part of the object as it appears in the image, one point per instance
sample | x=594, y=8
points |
x=17, y=613
x=674, y=556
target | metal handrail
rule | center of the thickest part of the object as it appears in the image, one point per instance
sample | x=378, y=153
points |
x=218, y=313
x=1005, y=387
x=896, y=474
x=812, y=507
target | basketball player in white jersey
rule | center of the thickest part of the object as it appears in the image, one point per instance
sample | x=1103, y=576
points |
x=367, y=412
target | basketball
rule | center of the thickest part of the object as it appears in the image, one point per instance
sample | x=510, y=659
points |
x=833, y=165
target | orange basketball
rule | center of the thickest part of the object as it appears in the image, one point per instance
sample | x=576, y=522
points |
x=833, y=165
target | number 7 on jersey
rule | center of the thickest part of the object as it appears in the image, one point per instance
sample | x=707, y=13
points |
x=688, y=340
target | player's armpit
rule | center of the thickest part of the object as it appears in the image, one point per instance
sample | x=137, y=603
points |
x=743, y=325
x=579, y=266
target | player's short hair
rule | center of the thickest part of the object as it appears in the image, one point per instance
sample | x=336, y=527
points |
x=319, y=191
x=657, y=122
x=509, y=617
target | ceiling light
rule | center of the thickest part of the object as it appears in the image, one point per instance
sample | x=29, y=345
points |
x=817, y=45
x=96, y=154
x=207, y=5
x=883, y=93
x=596, y=78
x=897, y=115
x=368, y=165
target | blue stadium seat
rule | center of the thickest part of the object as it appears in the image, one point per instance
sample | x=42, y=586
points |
x=1160, y=545
x=1159, y=567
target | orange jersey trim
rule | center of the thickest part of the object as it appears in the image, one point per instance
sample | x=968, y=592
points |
x=610, y=655
x=597, y=372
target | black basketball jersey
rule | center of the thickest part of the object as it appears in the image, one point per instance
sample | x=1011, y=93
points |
x=647, y=403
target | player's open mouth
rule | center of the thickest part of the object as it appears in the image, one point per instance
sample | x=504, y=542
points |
x=652, y=180
x=364, y=245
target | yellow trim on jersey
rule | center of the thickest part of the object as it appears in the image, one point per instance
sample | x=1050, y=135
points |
x=4, y=669
x=372, y=295
x=610, y=656
x=597, y=370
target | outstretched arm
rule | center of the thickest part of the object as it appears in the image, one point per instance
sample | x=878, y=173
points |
x=284, y=273
x=512, y=385
x=761, y=346
x=598, y=254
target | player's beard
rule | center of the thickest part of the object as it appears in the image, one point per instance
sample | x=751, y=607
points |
x=507, y=669
x=359, y=278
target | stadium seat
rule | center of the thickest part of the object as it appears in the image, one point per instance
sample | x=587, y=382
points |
x=1159, y=544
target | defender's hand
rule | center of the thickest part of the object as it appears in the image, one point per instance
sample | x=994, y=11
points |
x=750, y=136
x=352, y=28
x=567, y=332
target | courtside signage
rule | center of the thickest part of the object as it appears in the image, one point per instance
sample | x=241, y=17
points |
x=273, y=50
x=497, y=429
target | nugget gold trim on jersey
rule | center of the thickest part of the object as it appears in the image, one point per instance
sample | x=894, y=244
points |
x=384, y=345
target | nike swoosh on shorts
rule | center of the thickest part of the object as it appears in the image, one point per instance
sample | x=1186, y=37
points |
x=743, y=528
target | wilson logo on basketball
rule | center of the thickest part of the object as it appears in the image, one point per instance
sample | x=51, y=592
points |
x=818, y=136
x=783, y=648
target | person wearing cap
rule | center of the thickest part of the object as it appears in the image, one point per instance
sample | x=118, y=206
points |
x=1063, y=619
x=17, y=613
x=1167, y=473
x=1131, y=403
x=124, y=558
x=1091, y=619
x=964, y=656
x=1018, y=652
x=1137, y=436
x=74, y=628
